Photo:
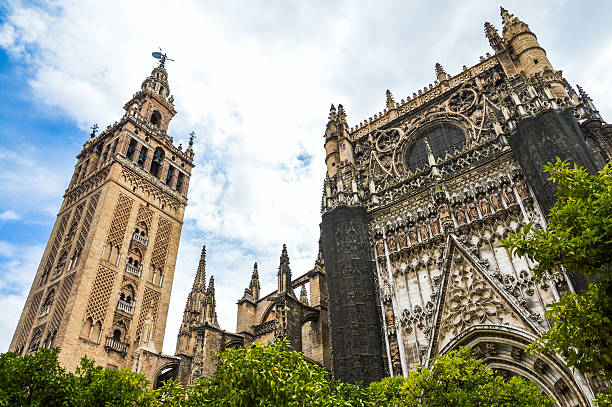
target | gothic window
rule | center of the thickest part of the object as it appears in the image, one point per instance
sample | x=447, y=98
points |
x=156, y=118
x=131, y=149
x=442, y=137
x=179, y=182
x=142, y=157
x=169, y=175
x=158, y=159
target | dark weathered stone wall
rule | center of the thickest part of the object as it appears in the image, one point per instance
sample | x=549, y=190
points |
x=539, y=140
x=357, y=352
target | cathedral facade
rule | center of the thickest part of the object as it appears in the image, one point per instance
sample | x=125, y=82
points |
x=415, y=202
x=417, y=198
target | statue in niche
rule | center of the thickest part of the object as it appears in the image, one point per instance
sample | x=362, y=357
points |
x=402, y=240
x=435, y=227
x=461, y=217
x=391, y=243
x=484, y=206
x=414, y=239
x=380, y=248
x=509, y=195
x=496, y=202
x=389, y=318
x=521, y=188
x=423, y=232
x=472, y=212
x=444, y=213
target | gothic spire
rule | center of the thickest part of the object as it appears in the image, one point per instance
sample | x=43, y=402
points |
x=254, y=284
x=284, y=274
x=492, y=35
x=199, y=283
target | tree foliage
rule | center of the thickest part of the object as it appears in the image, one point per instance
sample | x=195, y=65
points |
x=578, y=238
x=457, y=379
x=272, y=375
x=259, y=375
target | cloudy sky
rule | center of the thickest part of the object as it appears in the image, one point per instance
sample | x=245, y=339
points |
x=254, y=80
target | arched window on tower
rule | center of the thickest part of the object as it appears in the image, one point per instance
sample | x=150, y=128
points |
x=131, y=149
x=142, y=157
x=169, y=175
x=158, y=159
x=126, y=299
x=156, y=118
x=179, y=182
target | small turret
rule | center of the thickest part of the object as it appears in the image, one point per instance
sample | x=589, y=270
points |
x=526, y=52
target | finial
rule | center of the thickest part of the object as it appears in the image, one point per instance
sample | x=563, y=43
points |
x=303, y=295
x=255, y=272
x=440, y=73
x=192, y=137
x=390, y=100
x=163, y=57
x=94, y=130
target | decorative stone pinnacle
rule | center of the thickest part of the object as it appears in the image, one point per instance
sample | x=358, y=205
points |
x=390, y=101
x=440, y=72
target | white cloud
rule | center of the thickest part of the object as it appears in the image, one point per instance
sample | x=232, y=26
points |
x=255, y=82
x=18, y=265
x=9, y=215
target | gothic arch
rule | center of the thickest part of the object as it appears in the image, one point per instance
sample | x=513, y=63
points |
x=502, y=348
x=269, y=310
x=166, y=372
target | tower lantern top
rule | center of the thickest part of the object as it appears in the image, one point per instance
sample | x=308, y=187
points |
x=162, y=56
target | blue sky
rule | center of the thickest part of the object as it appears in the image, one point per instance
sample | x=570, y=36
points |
x=255, y=82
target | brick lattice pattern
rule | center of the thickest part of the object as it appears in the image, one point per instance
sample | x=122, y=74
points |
x=100, y=294
x=119, y=223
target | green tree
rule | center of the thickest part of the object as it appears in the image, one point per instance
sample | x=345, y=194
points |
x=579, y=238
x=272, y=375
x=457, y=379
x=98, y=386
x=35, y=380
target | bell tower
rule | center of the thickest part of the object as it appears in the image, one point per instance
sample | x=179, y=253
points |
x=105, y=277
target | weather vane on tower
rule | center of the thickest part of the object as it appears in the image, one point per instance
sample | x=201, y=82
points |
x=162, y=56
